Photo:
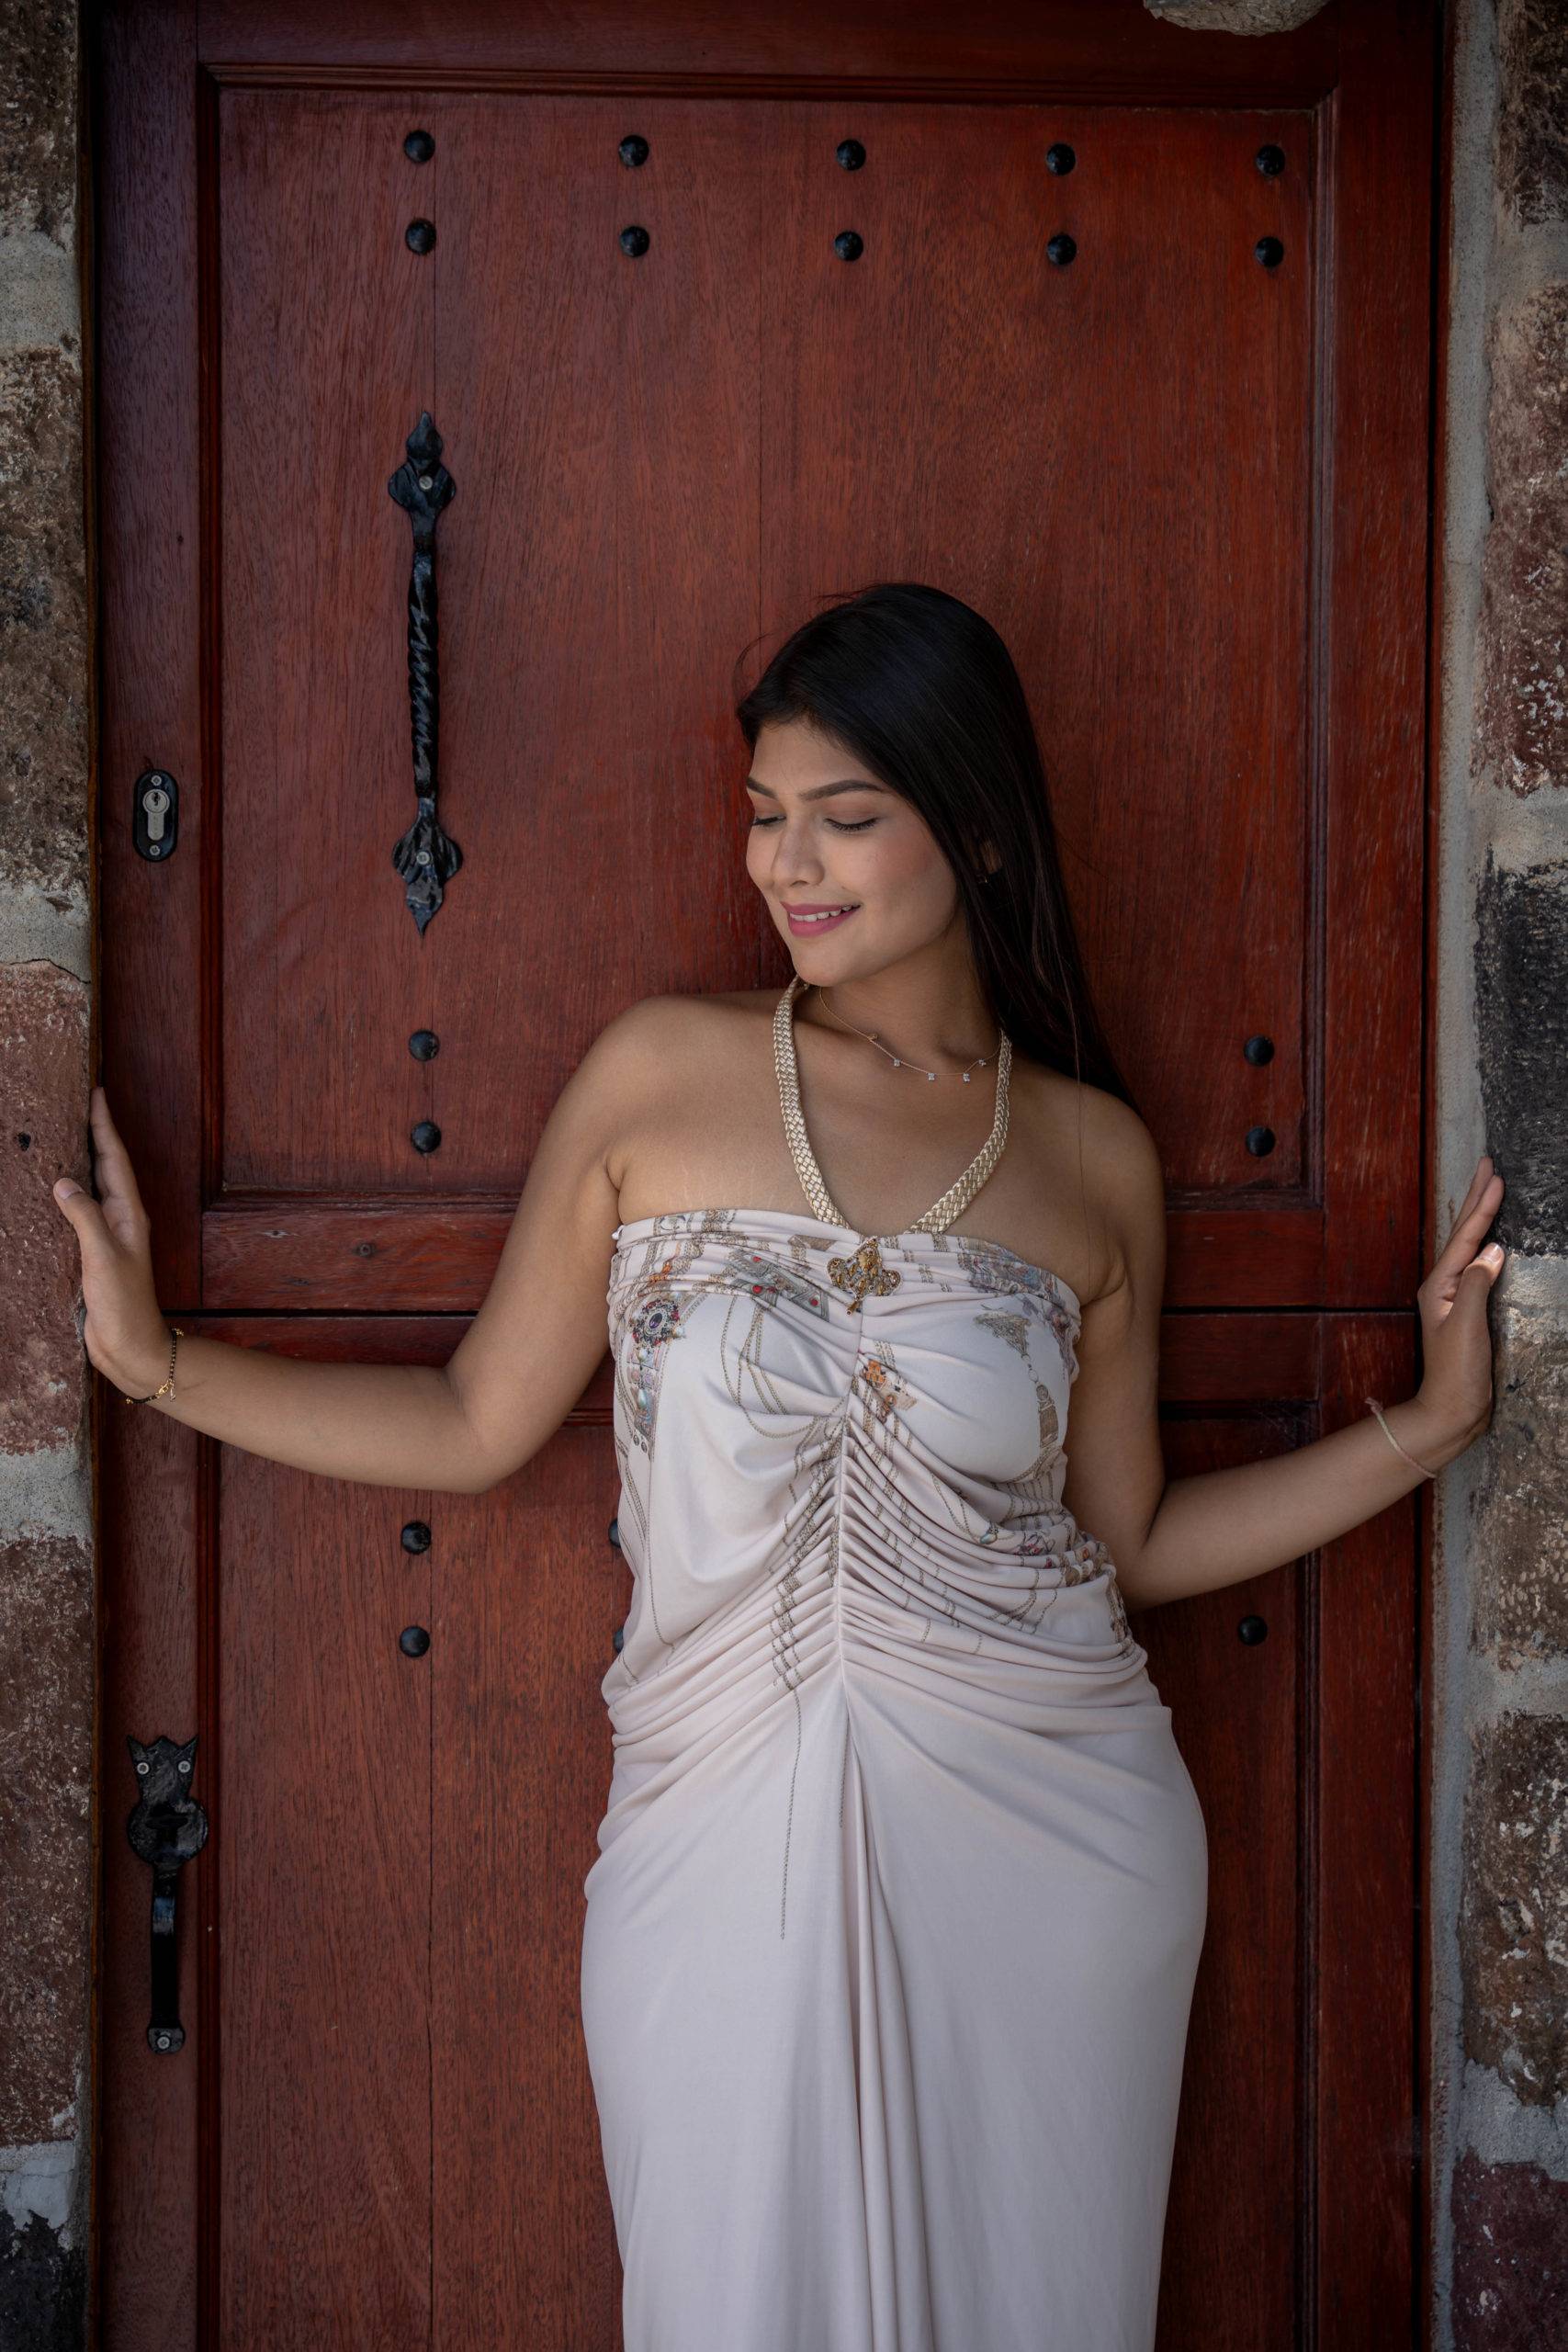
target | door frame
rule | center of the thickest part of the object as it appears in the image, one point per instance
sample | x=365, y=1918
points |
x=157, y=72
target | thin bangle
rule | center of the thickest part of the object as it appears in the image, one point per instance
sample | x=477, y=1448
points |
x=1373, y=1407
x=165, y=1387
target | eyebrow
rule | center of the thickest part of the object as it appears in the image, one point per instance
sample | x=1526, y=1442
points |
x=823, y=791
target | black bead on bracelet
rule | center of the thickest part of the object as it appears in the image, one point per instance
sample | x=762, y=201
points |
x=165, y=1387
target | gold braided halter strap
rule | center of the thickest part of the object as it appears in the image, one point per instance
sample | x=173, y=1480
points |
x=865, y=1270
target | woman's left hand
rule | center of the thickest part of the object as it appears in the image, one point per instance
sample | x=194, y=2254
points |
x=1456, y=1339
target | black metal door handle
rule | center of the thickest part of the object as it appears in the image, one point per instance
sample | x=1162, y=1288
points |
x=425, y=857
x=165, y=1827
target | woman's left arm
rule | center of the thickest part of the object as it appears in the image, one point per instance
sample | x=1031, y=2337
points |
x=1170, y=1538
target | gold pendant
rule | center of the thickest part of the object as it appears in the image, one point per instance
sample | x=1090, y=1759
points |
x=862, y=1274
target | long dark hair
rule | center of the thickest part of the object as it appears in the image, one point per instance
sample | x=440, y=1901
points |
x=915, y=683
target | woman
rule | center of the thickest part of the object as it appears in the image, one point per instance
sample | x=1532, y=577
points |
x=891, y=1936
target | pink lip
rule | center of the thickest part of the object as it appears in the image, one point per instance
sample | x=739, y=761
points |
x=812, y=929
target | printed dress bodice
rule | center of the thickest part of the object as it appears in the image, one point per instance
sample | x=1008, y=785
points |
x=808, y=1458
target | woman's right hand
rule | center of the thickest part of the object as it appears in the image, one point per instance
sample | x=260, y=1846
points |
x=125, y=1337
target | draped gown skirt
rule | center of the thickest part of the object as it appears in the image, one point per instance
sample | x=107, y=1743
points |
x=891, y=1938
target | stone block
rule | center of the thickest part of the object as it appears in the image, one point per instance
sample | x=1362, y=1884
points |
x=46, y=1706
x=1236, y=16
x=1521, y=1014
x=43, y=626
x=1510, y=2270
x=43, y=2287
x=1519, y=1572
x=1513, y=1920
x=38, y=151
x=1532, y=125
x=1520, y=735
x=44, y=1086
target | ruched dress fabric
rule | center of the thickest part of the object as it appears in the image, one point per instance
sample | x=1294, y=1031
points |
x=891, y=1938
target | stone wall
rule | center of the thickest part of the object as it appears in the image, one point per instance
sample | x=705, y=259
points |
x=47, y=1643
x=1498, y=1703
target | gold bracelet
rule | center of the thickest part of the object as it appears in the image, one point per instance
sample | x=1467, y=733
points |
x=165, y=1388
x=1373, y=1407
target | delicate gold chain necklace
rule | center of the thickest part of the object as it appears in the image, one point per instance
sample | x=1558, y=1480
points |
x=864, y=1271
x=899, y=1062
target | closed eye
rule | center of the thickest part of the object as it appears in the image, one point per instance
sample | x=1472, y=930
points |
x=838, y=824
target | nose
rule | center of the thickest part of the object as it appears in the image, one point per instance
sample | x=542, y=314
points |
x=797, y=861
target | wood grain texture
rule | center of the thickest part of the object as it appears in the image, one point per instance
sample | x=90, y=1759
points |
x=261, y=1253
x=917, y=48
x=1190, y=491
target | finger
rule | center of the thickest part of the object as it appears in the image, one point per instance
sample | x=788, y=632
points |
x=1486, y=1181
x=115, y=1177
x=1483, y=1162
x=1477, y=1183
x=85, y=1217
x=1468, y=1227
x=1485, y=1266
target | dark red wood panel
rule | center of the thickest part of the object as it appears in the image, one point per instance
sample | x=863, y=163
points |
x=321, y=1889
x=1298, y=2129
x=1365, y=2089
x=527, y=1595
x=1081, y=47
x=1031, y=436
x=327, y=1256
x=586, y=756
x=572, y=763
x=325, y=357
x=1243, y=1736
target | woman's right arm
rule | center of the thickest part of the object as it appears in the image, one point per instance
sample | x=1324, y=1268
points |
x=524, y=1362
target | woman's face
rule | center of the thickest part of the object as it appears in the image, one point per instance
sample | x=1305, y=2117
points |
x=827, y=836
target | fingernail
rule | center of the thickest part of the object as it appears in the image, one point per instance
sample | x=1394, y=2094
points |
x=65, y=1188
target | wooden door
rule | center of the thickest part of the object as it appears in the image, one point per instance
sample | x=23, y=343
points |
x=1132, y=354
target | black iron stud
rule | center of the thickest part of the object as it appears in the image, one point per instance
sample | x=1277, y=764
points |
x=633, y=150
x=1059, y=156
x=413, y=1641
x=634, y=241
x=419, y=146
x=1261, y=1141
x=424, y=1044
x=1270, y=162
x=851, y=154
x=417, y=1535
x=1061, y=248
x=1260, y=1049
x=848, y=245
x=419, y=236
x=1270, y=252
x=1252, y=1629
x=426, y=1137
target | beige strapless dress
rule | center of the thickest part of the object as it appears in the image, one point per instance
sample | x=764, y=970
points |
x=891, y=1938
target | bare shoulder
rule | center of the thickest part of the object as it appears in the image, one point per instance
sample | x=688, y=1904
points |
x=658, y=1057
x=1092, y=1146
x=1124, y=1161
x=662, y=1034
